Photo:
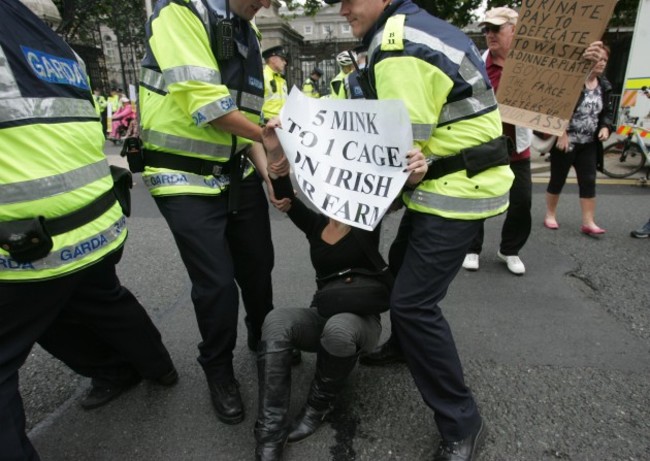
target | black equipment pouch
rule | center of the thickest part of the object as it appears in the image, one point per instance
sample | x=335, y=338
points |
x=274, y=86
x=26, y=240
x=364, y=82
x=488, y=155
x=122, y=184
x=132, y=150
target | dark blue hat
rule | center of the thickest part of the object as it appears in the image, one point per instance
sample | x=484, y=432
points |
x=275, y=51
x=316, y=70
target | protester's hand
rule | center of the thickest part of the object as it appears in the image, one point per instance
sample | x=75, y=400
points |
x=595, y=52
x=562, y=142
x=417, y=166
x=279, y=168
x=283, y=205
x=603, y=134
x=271, y=141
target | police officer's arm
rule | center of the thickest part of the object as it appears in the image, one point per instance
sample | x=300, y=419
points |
x=236, y=123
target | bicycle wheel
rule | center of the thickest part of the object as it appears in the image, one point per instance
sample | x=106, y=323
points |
x=621, y=163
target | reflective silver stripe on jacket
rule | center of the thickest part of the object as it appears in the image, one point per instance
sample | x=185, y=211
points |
x=69, y=254
x=483, y=98
x=153, y=79
x=50, y=186
x=194, y=146
x=154, y=181
x=214, y=110
x=248, y=100
x=15, y=109
x=421, y=131
x=8, y=84
x=457, y=204
x=191, y=73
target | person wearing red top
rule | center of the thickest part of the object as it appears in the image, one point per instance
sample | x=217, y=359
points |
x=499, y=29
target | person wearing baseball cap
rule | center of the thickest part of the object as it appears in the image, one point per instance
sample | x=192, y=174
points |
x=499, y=29
x=275, y=85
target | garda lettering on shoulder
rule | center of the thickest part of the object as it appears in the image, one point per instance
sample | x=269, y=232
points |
x=55, y=69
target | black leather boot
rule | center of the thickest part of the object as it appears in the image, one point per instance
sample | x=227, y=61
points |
x=388, y=353
x=331, y=373
x=274, y=381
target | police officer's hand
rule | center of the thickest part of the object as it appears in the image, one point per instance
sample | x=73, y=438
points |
x=416, y=164
x=279, y=168
x=595, y=52
x=271, y=141
x=283, y=205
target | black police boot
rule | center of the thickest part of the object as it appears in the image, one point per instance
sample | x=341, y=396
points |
x=462, y=450
x=274, y=381
x=103, y=392
x=388, y=353
x=331, y=373
x=226, y=400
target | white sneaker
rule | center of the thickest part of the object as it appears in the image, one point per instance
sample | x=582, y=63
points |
x=470, y=262
x=514, y=263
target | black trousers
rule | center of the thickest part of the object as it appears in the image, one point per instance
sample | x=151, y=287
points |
x=517, y=225
x=583, y=158
x=220, y=251
x=434, y=252
x=86, y=319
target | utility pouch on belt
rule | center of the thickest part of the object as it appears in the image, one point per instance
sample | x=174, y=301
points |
x=132, y=150
x=122, y=184
x=474, y=160
x=480, y=158
x=26, y=240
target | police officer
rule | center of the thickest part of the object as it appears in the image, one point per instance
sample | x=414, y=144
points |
x=437, y=71
x=353, y=87
x=61, y=232
x=275, y=86
x=337, y=84
x=201, y=97
x=101, y=103
x=310, y=86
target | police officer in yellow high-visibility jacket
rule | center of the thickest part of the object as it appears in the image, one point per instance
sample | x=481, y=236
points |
x=61, y=231
x=201, y=96
x=437, y=71
x=275, y=86
x=337, y=84
x=310, y=86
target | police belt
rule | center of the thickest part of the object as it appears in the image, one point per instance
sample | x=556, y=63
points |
x=194, y=165
x=473, y=160
x=30, y=239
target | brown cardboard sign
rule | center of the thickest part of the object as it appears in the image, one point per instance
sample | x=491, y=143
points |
x=544, y=72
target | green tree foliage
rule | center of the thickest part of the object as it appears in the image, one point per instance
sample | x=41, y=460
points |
x=81, y=19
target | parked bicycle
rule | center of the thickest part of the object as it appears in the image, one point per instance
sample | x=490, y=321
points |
x=628, y=156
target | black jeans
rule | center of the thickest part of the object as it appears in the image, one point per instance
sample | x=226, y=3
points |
x=517, y=225
x=86, y=319
x=220, y=251
x=434, y=253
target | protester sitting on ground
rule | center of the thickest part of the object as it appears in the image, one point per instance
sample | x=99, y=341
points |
x=121, y=119
x=581, y=146
x=338, y=340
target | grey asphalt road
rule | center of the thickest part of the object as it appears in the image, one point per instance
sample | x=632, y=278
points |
x=558, y=359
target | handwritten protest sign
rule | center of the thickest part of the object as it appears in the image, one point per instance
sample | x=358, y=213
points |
x=544, y=72
x=348, y=156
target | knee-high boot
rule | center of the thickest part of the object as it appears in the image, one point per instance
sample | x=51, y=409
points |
x=274, y=374
x=331, y=373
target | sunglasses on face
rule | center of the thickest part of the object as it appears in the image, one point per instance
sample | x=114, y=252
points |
x=490, y=28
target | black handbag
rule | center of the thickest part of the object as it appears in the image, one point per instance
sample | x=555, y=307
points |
x=355, y=290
